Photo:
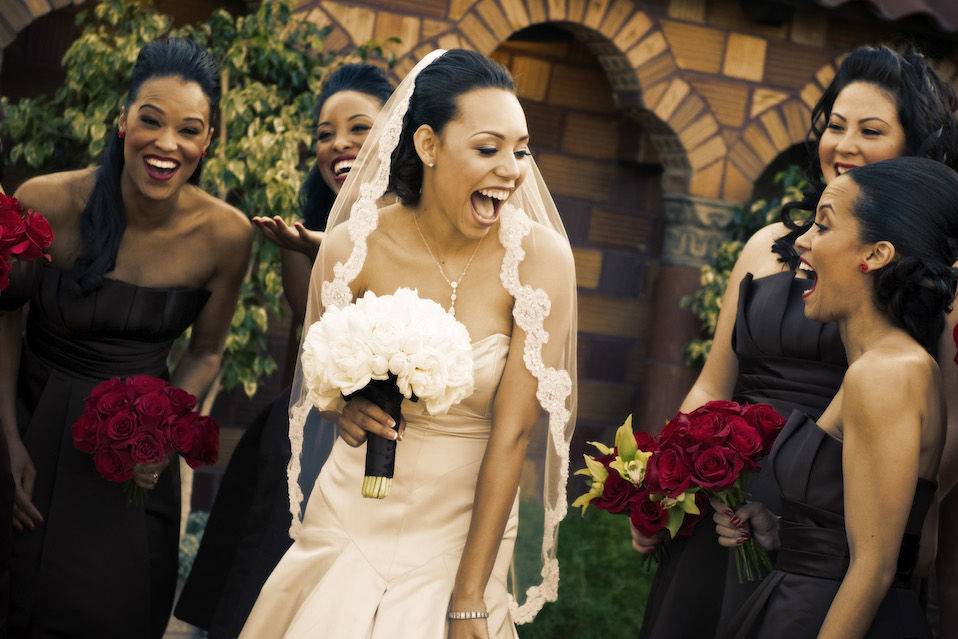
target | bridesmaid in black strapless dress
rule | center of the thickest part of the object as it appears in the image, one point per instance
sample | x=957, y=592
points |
x=794, y=599
x=73, y=343
x=141, y=254
x=785, y=360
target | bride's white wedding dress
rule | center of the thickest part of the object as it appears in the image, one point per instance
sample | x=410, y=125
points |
x=368, y=568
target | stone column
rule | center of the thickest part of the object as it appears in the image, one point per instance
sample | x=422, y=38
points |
x=694, y=227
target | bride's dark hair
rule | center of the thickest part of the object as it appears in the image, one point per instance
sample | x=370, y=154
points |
x=104, y=220
x=316, y=198
x=917, y=289
x=434, y=102
x=926, y=107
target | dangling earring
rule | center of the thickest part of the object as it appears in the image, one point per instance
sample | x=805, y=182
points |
x=863, y=267
x=121, y=133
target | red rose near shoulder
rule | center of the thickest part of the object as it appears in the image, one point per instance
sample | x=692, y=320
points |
x=716, y=468
x=746, y=440
x=767, y=420
x=181, y=401
x=708, y=428
x=40, y=237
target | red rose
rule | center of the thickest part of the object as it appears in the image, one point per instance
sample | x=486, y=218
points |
x=40, y=236
x=113, y=402
x=676, y=432
x=184, y=433
x=103, y=388
x=767, y=420
x=145, y=448
x=121, y=426
x=143, y=384
x=86, y=433
x=722, y=406
x=668, y=472
x=648, y=517
x=716, y=468
x=113, y=465
x=616, y=494
x=746, y=440
x=153, y=407
x=181, y=401
x=708, y=429
x=645, y=442
x=206, y=447
x=12, y=225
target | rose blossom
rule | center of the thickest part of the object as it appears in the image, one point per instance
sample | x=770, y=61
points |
x=668, y=471
x=181, y=401
x=145, y=448
x=767, y=420
x=716, y=468
x=616, y=494
x=113, y=465
x=746, y=440
x=113, y=402
x=152, y=408
x=143, y=384
x=648, y=517
x=184, y=432
x=40, y=237
x=121, y=426
x=85, y=431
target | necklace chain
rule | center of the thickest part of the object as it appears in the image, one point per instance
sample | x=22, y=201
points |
x=453, y=284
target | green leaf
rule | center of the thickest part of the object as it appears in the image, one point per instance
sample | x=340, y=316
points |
x=676, y=517
x=625, y=440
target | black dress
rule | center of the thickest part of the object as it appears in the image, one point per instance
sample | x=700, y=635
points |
x=98, y=566
x=22, y=286
x=785, y=360
x=794, y=599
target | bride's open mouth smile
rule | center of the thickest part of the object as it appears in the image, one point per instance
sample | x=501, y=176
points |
x=810, y=273
x=487, y=204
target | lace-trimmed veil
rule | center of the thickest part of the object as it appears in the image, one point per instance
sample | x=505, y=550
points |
x=529, y=217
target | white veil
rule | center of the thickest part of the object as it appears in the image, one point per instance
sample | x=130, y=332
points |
x=529, y=222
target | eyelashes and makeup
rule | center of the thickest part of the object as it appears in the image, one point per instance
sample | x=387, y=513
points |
x=327, y=135
x=490, y=151
x=153, y=123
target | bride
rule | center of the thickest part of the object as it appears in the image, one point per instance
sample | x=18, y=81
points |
x=472, y=227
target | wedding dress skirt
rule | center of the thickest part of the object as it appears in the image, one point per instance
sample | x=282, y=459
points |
x=377, y=569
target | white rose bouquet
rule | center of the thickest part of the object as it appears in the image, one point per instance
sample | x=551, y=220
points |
x=387, y=348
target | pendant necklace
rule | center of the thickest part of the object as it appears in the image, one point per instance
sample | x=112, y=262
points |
x=453, y=284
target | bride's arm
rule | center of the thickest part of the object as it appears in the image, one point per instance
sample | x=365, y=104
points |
x=881, y=432
x=515, y=413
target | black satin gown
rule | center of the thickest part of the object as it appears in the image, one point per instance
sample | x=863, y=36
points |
x=23, y=285
x=794, y=599
x=785, y=360
x=98, y=566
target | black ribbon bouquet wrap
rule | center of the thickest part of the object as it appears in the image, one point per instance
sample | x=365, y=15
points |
x=381, y=452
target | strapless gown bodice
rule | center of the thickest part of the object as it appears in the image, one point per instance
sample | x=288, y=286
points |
x=366, y=568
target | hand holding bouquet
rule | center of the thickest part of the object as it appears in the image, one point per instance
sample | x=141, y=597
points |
x=139, y=421
x=662, y=482
x=387, y=348
x=24, y=235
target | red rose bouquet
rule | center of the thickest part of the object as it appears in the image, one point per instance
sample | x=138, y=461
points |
x=24, y=235
x=141, y=420
x=662, y=483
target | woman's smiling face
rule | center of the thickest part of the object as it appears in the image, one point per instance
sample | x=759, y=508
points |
x=344, y=123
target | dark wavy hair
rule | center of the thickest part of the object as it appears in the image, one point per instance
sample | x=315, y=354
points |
x=315, y=196
x=926, y=107
x=434, y=102
x=104, y=220
x=917, y=289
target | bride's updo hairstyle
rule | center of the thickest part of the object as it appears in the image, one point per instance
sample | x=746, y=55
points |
x=104, y=220
x=926, y=106
x=434, y=102
x=910, y=202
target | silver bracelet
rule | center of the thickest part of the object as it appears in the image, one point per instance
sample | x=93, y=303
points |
x=467, y=614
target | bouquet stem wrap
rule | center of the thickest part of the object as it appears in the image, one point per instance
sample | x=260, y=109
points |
x=751, y=561
x=381, y=452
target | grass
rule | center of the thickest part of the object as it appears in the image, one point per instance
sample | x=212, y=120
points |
x=602, y=586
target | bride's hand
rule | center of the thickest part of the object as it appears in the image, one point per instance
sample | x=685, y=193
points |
x=360, y=417
x=294, y=238
x=468, y=629
x=751, y=520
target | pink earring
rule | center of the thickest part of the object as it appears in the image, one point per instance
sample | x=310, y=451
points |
x=863, y=267
x=121, y=134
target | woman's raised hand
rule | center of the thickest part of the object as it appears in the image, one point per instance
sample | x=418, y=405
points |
x=294, y=238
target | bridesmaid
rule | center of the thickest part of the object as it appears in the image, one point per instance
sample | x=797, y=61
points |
x=248, y=529
x=857, y=483
x=142, y=253
x=881, y=104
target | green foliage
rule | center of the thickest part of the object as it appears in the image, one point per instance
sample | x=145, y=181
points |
x=190, y=543
x=603, y=584
x=272, y=65
x=706, y=302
